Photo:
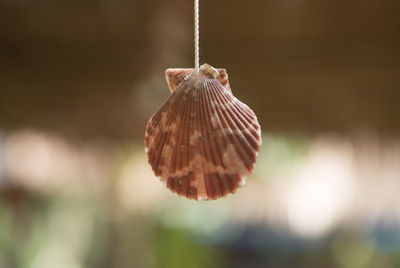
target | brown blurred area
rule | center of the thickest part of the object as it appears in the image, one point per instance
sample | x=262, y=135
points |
x=82, y=67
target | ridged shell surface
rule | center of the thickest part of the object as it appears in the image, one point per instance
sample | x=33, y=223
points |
x=202, y=142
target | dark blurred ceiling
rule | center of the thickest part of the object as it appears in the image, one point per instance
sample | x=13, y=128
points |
x=95, y=68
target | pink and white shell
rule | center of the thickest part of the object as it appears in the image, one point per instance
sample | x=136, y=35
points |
x=202, y=142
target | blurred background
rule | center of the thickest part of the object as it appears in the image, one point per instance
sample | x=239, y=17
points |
x=80, y=79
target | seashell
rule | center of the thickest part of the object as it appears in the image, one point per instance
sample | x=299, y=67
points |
x=202, y=142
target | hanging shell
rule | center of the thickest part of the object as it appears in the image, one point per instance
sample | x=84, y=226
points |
x=202, y=142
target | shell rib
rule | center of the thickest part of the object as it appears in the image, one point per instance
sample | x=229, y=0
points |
x=202, y=142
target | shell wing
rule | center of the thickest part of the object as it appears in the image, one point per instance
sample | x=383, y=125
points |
x=203, y=141
x=175, y=76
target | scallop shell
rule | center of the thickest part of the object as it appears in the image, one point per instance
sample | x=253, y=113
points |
x=202, y=142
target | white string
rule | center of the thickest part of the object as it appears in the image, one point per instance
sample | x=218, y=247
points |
x=196, y=35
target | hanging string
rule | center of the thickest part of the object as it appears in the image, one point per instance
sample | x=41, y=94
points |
x=196, y=35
